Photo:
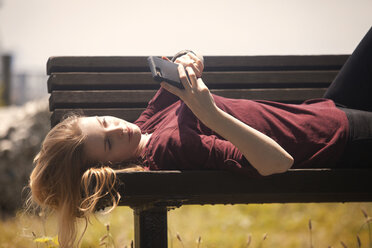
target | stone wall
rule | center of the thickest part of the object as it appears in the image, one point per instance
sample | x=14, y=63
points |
x=22, y=130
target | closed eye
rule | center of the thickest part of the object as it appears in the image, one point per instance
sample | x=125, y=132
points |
x=108, y=142
x=104, y=122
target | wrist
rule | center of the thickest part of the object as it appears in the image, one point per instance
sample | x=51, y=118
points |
x=210, y=116
x=183, y=52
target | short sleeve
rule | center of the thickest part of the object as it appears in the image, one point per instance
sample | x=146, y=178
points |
x=160, y=101
x=225, y=156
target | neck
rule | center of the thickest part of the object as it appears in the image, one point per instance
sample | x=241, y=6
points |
x=142, y=144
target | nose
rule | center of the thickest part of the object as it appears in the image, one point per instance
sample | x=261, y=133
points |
x=116, y=130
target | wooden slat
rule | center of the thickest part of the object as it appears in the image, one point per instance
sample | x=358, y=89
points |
x=100, y=99
x=129, y=114
x=267, y=79
x=219, y=187
x=220, y=63
x=97, y=81
x=293, y=62
x=230, y=79
x=140, y=98
x=97, y=64
x=280, y=95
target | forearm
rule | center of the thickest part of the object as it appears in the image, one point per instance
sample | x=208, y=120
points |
x=263, y=153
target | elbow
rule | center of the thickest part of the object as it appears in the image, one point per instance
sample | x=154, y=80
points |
x=286, y=164
x=279, y=166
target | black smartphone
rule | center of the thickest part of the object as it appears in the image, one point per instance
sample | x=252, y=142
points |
x=164, y=70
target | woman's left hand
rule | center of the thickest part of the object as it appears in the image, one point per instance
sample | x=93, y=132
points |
x=195, y=94
x=190, y=60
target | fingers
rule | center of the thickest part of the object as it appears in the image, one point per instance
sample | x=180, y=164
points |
x=195, y=68
x=197, y=60
x=184, y=60
x=192, y=77
x=188, y=80
x=192, y=61
x=183, y=76
x=184, y=80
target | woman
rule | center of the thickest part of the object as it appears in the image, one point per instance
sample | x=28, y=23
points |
x=193, y=129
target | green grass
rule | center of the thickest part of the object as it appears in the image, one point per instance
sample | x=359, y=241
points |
x=285, y=225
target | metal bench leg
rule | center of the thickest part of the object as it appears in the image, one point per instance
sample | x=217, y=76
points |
x=150, y=227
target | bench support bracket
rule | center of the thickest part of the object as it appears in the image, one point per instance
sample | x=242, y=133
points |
x=150, y=227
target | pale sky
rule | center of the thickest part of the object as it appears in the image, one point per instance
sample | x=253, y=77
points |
x=34, y=30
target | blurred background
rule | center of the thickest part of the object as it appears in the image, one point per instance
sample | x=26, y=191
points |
x=33, y=30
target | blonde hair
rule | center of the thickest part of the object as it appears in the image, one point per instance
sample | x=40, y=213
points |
x=65, y=181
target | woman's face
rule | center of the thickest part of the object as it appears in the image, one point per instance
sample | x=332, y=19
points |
x=109, y=138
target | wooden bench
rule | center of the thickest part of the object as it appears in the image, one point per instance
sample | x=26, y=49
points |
x=122, y=86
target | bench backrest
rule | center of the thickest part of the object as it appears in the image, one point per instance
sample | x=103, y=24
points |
x=122, y=86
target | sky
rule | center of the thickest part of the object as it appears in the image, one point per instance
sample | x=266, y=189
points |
x=33, y=30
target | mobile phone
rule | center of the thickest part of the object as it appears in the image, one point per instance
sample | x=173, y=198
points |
x=164, y=70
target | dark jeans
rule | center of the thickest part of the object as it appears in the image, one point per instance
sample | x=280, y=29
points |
x=358, y=152
x=352, y=89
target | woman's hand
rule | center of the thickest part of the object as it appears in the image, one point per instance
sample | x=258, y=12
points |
x=195, y=94
x=190, y=60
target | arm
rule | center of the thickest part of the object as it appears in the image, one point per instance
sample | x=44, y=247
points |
x=266, y=155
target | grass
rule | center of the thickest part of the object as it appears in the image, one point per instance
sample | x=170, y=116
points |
x=255, y=225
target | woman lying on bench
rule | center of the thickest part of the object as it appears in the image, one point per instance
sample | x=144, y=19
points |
x=192, y=129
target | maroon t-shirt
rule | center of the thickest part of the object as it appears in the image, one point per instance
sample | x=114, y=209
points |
x=314, y=133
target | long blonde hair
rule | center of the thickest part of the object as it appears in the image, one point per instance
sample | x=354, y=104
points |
x=65, y=181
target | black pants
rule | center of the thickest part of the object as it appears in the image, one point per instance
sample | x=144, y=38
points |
x=352, y=89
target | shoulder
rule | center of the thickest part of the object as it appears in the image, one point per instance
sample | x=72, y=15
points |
x=173, y=138
x=172, y=149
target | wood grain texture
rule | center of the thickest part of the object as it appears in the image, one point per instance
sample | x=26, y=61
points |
x=220, y=63
x=220, y=187
x=140, y=98
x=228, y=79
